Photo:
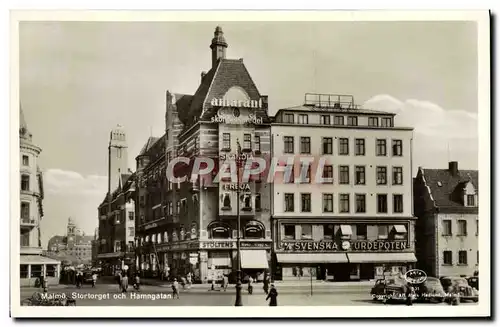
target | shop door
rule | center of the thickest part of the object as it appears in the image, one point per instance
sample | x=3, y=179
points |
x=367, y=271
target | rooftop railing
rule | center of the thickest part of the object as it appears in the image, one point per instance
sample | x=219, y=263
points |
x=335, y=101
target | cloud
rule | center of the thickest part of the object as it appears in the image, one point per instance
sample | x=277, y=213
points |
x=428, y=118
x=65, y=182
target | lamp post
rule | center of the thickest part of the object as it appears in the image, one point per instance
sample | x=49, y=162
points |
x=238, y=302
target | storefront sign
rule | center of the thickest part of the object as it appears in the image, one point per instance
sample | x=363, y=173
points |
x=234, y=156
x=232, y=245
x=361, y=246
x=236, y=103
x=149, y=226
x=236, y=187
x=228, y=119
x=254, y=244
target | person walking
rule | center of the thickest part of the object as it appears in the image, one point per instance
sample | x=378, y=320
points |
x=225, y=280
x=189, y=278
x=266, y=284
x=410, y=291
x=137, y=281
x=272, y=296
x=124, y=281
x=175, y=288
x=94, y=279
x=250, y=285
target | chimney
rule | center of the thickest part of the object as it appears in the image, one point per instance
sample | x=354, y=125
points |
x=453, y=168
x=203, y=74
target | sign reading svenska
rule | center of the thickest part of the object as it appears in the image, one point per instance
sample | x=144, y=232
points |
x=362, y=246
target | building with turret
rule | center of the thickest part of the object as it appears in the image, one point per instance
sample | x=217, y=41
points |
x=75, y=246
x=33, y=264
x=117, y=211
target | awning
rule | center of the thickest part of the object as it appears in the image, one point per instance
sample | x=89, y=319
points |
x=381, y=257
x=311, y=257
x=254, y=259
x=38, y=260
x=346, y=229
x=400, y=229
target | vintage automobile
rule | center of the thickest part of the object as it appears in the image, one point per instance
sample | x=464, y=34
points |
x=459, y=286
x=474, y=282
x=430, y=290
x=391, y=289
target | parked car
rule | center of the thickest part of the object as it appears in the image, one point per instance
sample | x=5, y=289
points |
x=390, y=290
x=460, y=286
x=430, y=290
x=474, y=282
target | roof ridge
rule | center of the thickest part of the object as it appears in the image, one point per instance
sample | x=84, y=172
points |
x=219, y=63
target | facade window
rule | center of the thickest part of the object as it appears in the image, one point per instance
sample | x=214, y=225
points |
x=247, y=201
x=462, y=227
x=25, y=239
x=373, y=121
x=471, y=200
x=131, y=231
x=462, y=257
x=361, y=231
x=226, y=201
x=36, y=271
x=397, y=148
x=26, y=160
x=446, y=224
x=381, y=175
x=307, y=177
x=360, y=203
x=305, y=145
x=397, y=203
x=360, y=147
x=306, y=232
x=383, y=232
x=288, y=144
x=382, y=203
x=257, y=143
x=289, y=202
x=352, y=121
x=118, y=152
x=386, y=122
x=24, y=271
x=381, y=147
x=305, y=204
x=289, y=175
x=328, y=232
x=247, y=142
x=343, y=174
x=170, y=208
x=131, y=215
x=328, y=173
x=226, y=141
x=328, y=202
x=327, y=145
x=25, y=183
x=397, y=175
x=178, y=207
x=288, y=118
x=254, y=230
x=25, y=211
x=344, y=203
x=343, y=146
x=325, y=120
x=338, y=120
x=360, y=175
x=303, y=119
x=258, y=205
x=477, y=227
x=289, y=232
x=447, y=258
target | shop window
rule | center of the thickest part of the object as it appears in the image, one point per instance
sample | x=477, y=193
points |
x=258, y=205
x=51, y=270
x=383, y=232
x=327, y=145
x=220, y=260
x=24, y=271
x=25, y=183
x=399, y=232
x=328, y=232
x=328, y=202
x=36, y=271
x=305, y=145
x=446, y=224
x=305, y=202
x=254, y=229
x=219, y=230
x=289, y=202
x=343, y=146
x=306, y=232
x=289, y=232
x=345, y=232
x=361, y=231
x=462, y=257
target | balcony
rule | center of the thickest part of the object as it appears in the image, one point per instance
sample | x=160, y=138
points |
x=28, y=223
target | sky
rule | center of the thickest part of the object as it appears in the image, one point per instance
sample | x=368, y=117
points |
x=80, y=79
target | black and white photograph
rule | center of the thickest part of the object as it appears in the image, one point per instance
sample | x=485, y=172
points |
x=335, y=167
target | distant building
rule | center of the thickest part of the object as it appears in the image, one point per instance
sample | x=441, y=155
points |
x=33, y=263
x=74, y=246
x=116, y=213
x=95, y=248
x=446, y=204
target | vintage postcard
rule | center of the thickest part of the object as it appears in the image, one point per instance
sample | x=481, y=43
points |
x=295, y=164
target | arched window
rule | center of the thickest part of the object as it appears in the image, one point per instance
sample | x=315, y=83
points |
x=219, y=230
x=254, y=229
x=226, y=201
x=194, y=230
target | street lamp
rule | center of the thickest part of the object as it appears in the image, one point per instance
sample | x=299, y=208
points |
x=238, y=302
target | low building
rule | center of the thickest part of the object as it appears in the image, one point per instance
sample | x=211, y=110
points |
x=446, y=204
x=75, y=246
x=33, y=264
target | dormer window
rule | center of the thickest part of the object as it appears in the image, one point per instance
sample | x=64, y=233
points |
x=470, y=195
x=471, y=200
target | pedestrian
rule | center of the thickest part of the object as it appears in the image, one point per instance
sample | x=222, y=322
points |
x=94, y=279
x=266, y=284
x=45, y=282
x=175, y=288
x=213, y=284
x=137, y=281
x=409, y=294
x=189, y=279
x=250, y=285
x=124, y=281
x=226, y=282
x=78, y=280
x=272, y=296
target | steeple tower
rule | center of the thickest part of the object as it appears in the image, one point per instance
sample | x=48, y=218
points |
x=117, y=157
x=218, y=46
